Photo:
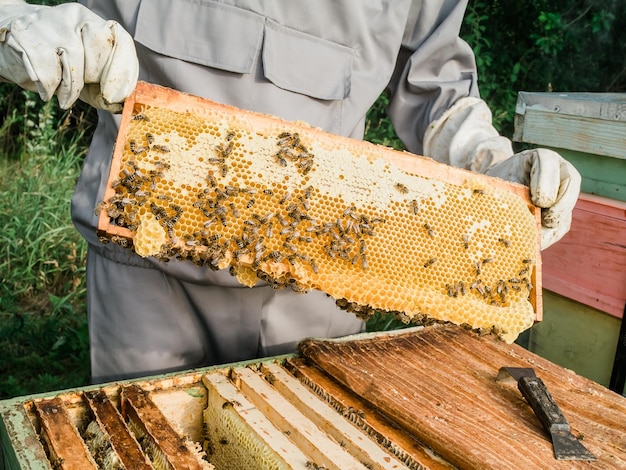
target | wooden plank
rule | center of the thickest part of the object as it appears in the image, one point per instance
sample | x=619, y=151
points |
x=20, y=448
x=403, y=445
x=439, y=384
x=589, y=263
x=65, y=446
x=112, y=424
x=351, y=438
x=137, y=406
x=602, y=176
x=313, y=441
x=573, y=132
x=591, y=123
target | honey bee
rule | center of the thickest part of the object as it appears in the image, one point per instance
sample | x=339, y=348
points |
x=477, y=266
x=505, y=242
x=230, y=136
x=281, y=160
x=308, y=191
x=225, y=151
x=211, y=180
x=478, y=288
x=285, y=198
x=478, y=191
x=487, y=260
x=415, y=207
x=349, y=211
x=528, y=261
x=305, y=166
x=296, y=140
x=290, y=247
x=250, y=203
x=524, y=271
x=276, y=256
x=141, y=117
x=462, y=289
x=313, y=265
x=268, y=192
x=401, y=188
x=465, y=240
x=149, y=138
x=121, y=241
x=234, y=210
x=430, y=262
x=101, y=205
x=429, y=230
x=452, y=290
x=161, y=148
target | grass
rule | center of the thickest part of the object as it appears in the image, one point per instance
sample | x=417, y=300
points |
x=43, y=321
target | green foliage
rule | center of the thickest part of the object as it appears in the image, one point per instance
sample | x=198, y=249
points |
x=43, y=321
x=545, y=45
x=378, y=128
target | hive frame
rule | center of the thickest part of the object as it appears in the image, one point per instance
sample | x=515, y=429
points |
x=157, y=96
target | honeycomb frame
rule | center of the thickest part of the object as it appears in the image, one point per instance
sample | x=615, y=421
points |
x=300, y=271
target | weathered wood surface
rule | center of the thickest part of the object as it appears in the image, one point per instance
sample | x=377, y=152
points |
x=594, y=123
x=112, y=424
x=66, y=447
x=439, y=384
x=405, y=446
x=589, y=263
x=137, y=406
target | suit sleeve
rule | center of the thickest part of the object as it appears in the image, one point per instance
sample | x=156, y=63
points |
x=435, y=68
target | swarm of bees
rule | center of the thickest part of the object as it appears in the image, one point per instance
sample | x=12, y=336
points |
x=344, y=238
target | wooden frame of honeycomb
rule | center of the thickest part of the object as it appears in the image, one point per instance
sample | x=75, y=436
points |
x=295, y=206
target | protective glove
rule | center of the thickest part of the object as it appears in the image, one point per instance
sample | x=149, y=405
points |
x=68, y=51
x=465, y=137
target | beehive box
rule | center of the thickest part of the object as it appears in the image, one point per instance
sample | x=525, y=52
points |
x=421, y=398
x=377, y=229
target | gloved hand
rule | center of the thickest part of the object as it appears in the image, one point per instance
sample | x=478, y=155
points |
x=465, y=137
x=68, y=51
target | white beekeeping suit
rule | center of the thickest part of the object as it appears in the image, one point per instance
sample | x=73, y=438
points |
x=323, y=62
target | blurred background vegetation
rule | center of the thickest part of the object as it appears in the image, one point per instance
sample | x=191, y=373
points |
x=535, y=45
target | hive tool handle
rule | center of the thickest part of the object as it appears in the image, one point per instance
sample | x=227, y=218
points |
x=566, y=446
x=542, y=403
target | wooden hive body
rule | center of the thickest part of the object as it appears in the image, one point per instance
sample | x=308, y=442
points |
x=422, y=398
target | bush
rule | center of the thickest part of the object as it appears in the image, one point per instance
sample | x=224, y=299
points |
x=545, y=45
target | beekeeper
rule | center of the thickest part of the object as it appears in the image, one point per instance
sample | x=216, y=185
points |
x=323, y=62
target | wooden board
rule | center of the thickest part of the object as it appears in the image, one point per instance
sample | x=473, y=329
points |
x=439, y=384
x=589, y=263
x=589, y=122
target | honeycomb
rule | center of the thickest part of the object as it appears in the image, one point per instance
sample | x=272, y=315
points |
x=296, y=207
x=240, y=436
